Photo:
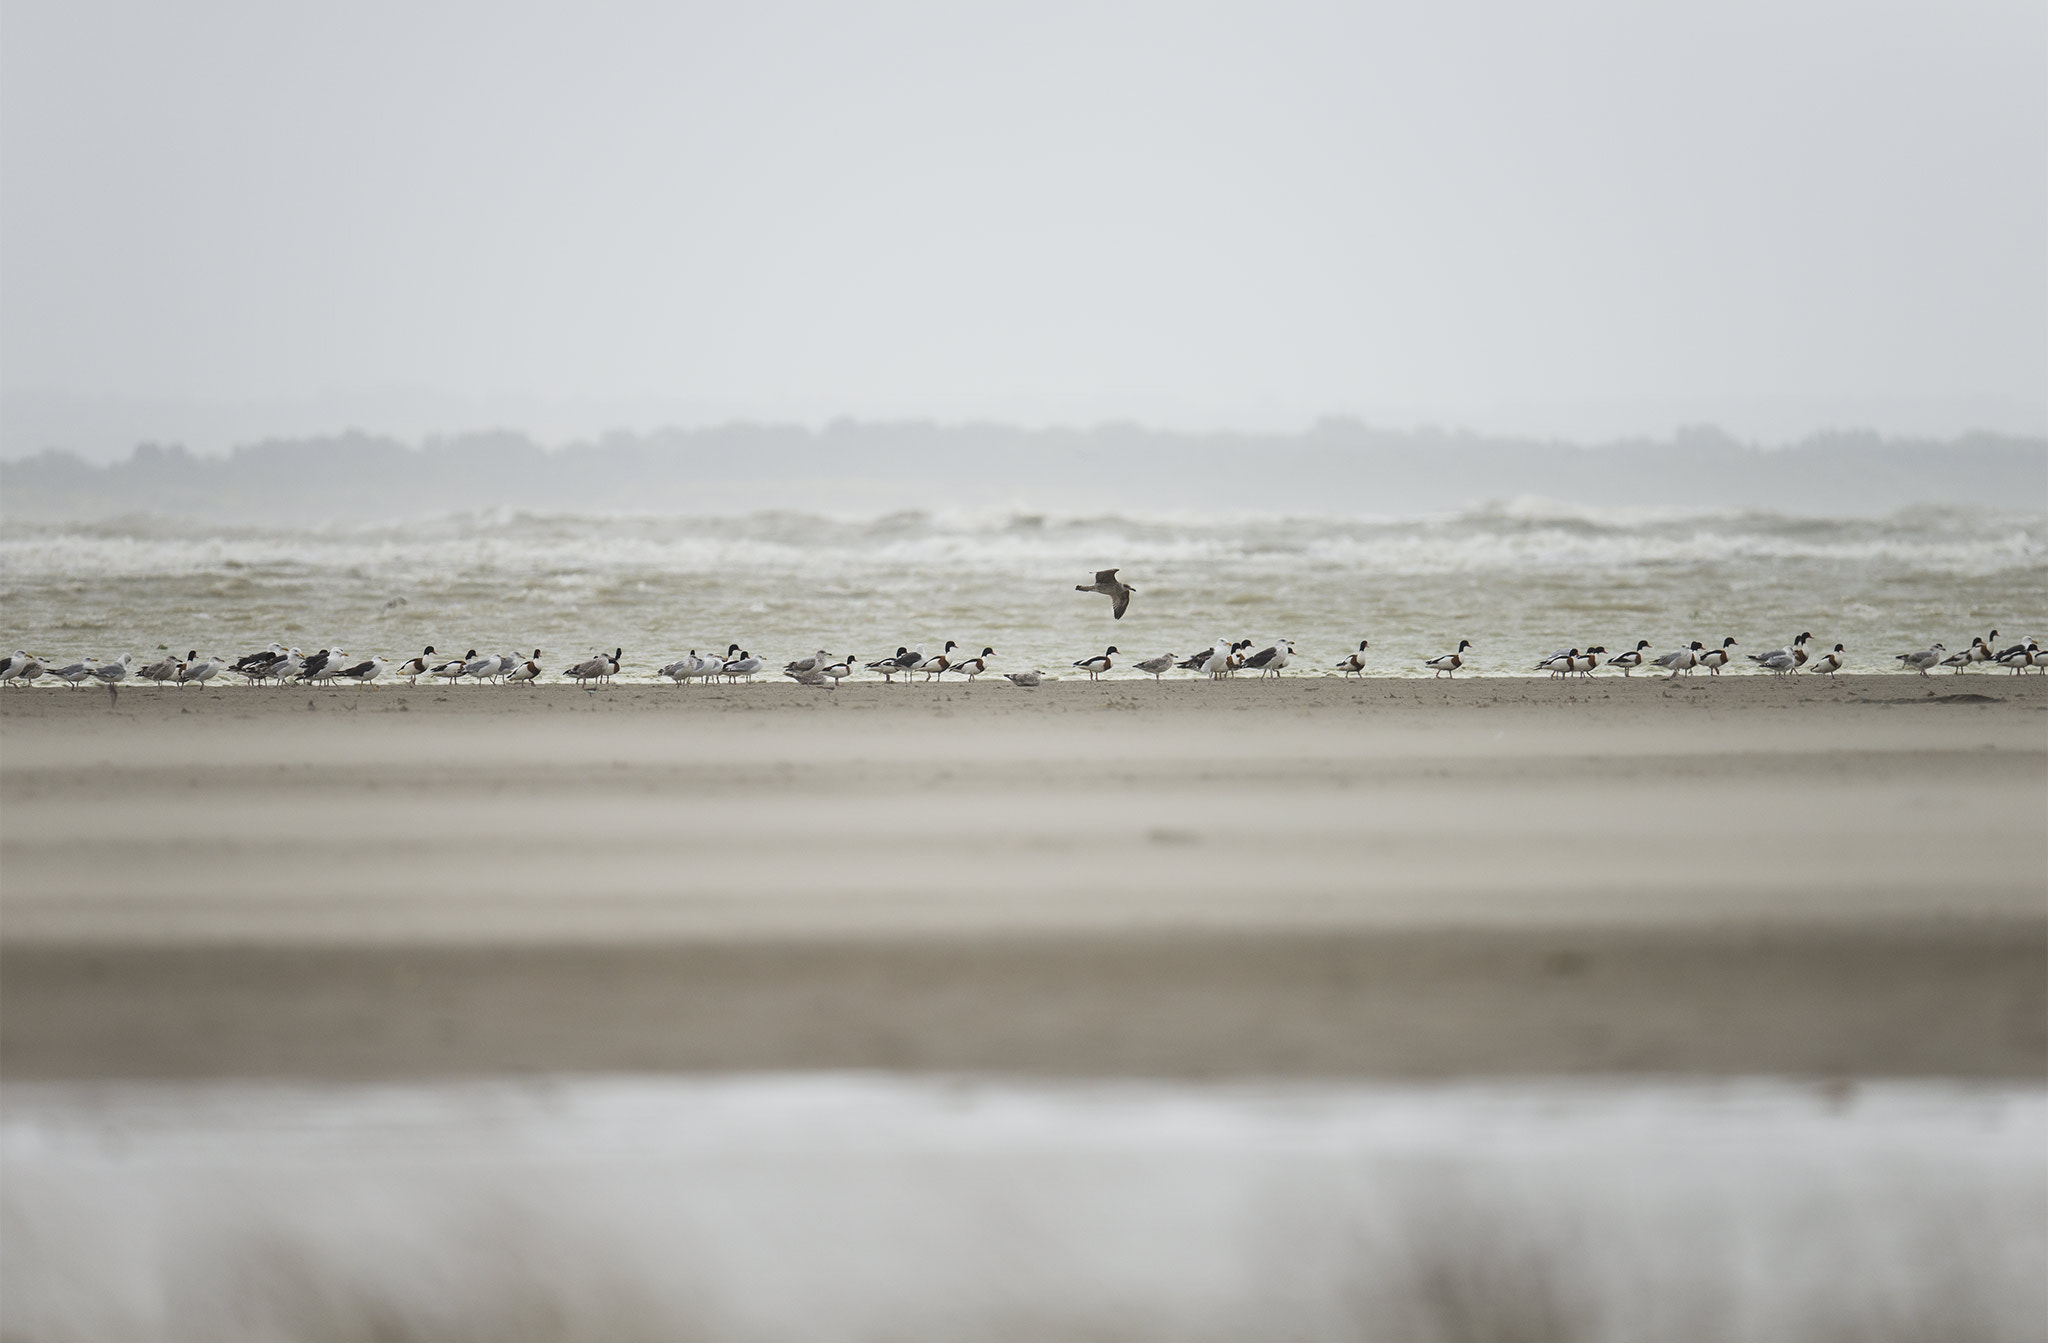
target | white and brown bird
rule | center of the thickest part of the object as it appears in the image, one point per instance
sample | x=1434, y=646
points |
x=1354, y=663
x=936, y=664
x=1630, y=660
x=1098, y=664
x=1827, y=664
x=413, y=668
x=1448, y=664
x=974, y=666
x=1106, y=583
x=1716, y=658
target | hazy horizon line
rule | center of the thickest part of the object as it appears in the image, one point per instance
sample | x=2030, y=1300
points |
x=1696, y=432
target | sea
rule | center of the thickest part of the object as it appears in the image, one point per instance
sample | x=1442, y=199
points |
x=1517, y=580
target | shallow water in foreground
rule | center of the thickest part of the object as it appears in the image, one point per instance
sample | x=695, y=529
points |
x=822, y=1206
x=1517, y=580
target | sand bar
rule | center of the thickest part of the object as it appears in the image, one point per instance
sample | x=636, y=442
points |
x=1304, y=877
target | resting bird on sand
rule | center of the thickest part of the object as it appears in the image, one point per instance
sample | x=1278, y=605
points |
x=1106, y=583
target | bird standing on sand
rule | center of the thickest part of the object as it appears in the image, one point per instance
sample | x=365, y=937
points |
x=974, y=666
x=1448, y=664
x=1354, y=664
x=414, y=668
x=1106, y=583
x=1098, y=664
x=1924, y=659
x=1155, y=667
x=1681, y=660
x=1716, y=658
x=197, y=670
x=1827, y=664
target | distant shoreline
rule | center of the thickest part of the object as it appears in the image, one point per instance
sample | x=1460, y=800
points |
x=872, y=469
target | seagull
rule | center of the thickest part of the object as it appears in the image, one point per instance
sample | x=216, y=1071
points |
x=746, y=665
x=324, y=666
x=711, y=666
x=281, y=670
x=1098, y=664
x=1269, y=661
x=364, y=672
x=1027, y=679
x=162, y=670
x=109, y=672
x=1778, y=660
x=483, y=668
x=1924, y=659
x=1716, y=658
x=583, y=672
x=682, y=669
x=974, y=666
x=202, y=672
x=76, y=672
x=1681, y=659
x=1354, y=663
x=806, y=677
x=1118, y=593
x=1448, y=664
x=815, y=662
x=1827, y=664
x=18, y=658
x=1216, y=662
x=25, y=667
x=1795, y=653
x=268, y=655
x=1155, y=667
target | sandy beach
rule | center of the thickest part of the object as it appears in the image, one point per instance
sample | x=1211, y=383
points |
x=1300, y=878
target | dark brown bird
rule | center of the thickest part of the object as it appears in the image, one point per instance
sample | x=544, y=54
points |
x=1106, y=583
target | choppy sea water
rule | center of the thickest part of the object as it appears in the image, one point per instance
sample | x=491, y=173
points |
x=840, y=1207
x=1517, y=580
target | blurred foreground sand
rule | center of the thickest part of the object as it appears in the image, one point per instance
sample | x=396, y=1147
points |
x=1307, y=877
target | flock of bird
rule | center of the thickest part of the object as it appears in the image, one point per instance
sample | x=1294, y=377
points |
x=1225, y=658
x=279, y=665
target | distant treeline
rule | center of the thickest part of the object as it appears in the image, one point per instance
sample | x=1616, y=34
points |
x=1338, y=467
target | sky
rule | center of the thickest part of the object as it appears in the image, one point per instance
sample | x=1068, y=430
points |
x=222, y=221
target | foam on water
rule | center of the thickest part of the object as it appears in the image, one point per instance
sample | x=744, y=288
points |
x=1517, y=579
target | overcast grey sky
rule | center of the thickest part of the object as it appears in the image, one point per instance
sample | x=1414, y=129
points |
x=221, y=220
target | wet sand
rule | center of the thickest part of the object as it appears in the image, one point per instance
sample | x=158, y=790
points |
x=1385, y=878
